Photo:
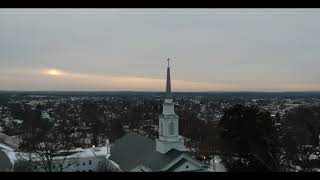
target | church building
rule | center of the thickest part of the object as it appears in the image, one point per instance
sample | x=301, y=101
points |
x=134, y=152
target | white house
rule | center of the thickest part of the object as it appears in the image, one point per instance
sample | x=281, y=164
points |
x=77, y=160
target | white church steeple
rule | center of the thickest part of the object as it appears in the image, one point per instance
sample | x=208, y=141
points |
x=168, y=123
x=168, y=106
x=168, y=85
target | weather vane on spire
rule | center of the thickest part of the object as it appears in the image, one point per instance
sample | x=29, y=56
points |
x=168, y=61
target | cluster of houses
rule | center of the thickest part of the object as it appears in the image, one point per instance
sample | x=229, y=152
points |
x=132, y=152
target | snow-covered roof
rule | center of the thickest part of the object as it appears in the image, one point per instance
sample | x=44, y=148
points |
x=75, y=153
x=90, y=152
x=8, y=141
x=6, y=147
x=102, y=151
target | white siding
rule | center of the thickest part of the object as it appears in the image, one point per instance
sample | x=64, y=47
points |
x=81, y=164
x=187, y=166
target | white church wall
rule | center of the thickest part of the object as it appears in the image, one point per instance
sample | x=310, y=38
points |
x=187, y=166
x=186, y=157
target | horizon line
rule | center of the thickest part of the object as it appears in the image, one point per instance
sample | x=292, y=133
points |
x=226, y=91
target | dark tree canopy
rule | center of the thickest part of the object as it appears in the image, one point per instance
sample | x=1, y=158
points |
x=300, y=137
x=248, y=135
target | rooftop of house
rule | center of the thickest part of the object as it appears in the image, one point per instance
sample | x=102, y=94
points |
x=7, y=142
x=14, y=156
x=5, y=162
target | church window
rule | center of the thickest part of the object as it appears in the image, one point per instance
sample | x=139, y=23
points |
x=171, y=128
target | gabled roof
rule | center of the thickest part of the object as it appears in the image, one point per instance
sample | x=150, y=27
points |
x=133, y=150
x=8, y=142
x=179, y=163
x=5, y=163
x=181, y=157
x=173, y=153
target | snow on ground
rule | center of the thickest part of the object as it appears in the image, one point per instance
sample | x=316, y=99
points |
x=297, y=168
x=313, y=157
x=317, y=170
x=18, y=121
x=216, y=165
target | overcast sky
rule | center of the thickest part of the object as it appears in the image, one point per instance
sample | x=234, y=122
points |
x=126, y=49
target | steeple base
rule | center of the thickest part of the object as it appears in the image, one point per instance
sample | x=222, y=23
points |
x=165, y=146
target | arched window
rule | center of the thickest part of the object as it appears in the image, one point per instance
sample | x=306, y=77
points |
x=171, y=128
x=161, y=128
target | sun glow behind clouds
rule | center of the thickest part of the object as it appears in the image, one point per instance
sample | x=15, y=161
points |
x=54, y=72
x=60, y=79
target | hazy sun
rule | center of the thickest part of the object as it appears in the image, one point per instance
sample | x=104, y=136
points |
x=54, y=72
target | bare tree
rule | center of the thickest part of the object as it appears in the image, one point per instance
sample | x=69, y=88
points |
x=43, y=150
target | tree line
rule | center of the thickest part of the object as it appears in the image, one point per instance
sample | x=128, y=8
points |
x=247, y=138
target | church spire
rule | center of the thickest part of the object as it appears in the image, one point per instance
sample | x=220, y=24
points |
x=168, y=86
x=169, y=137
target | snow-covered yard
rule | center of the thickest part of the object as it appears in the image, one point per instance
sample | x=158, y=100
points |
x=216, y=165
